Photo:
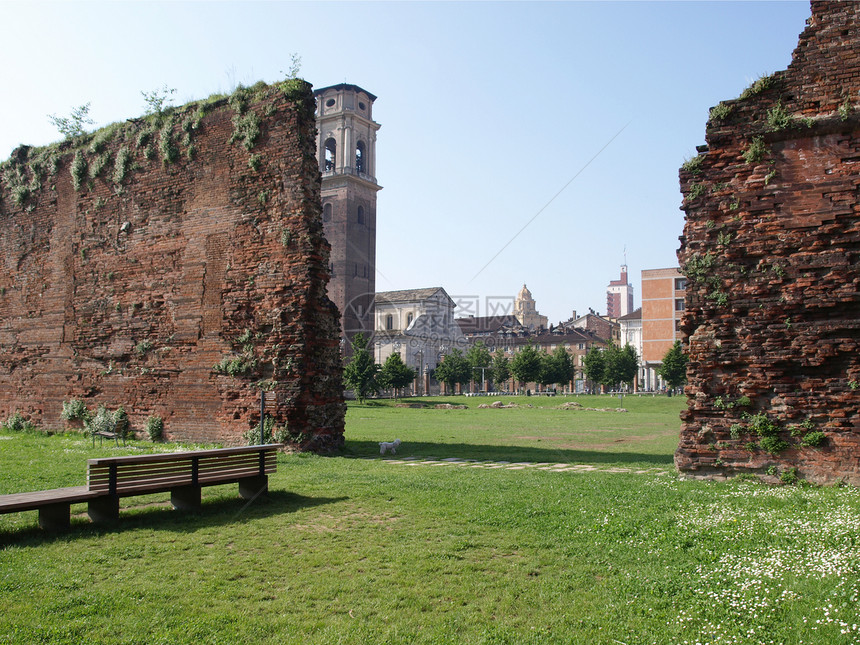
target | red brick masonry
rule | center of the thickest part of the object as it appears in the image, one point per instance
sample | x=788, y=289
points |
x=130, y=289
x=771, y=247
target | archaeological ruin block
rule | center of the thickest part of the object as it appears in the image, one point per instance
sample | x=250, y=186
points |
x=770, y=248
x=175, y=265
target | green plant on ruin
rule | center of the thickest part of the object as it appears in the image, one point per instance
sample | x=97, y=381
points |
x=263, y=197
x=235, y=366
x=158, y=99
x=120, y=165
x=286, y=236
x=168, y=151
x=845, y=109
x=190, y=152
x=773, y=471
x=254, y=162
x=853, y=385
x=778, y=117
x=693, y=165
x=99, y=164
x=73, y=125
x=698, y=268
x=773, y=445
x=696, y=190
x=769, y=176
x=789, y=476
x=143, y=347
x=246, y=129
x=723, y=238
x=719, y=297
x=74, y=410
x=719, y=112
x=78, y=170
x=762, y=83
x=756, y=150
x=155, y=428
x=812, y=439
x=778, y=270
x=735, y=430
x=16, y=422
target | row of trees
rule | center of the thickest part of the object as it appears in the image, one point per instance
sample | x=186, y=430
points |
x=527, y=366
x=364, y=377
x=611, y=367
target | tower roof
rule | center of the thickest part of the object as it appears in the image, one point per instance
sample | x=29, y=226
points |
x=345, y=86
x=524, y=294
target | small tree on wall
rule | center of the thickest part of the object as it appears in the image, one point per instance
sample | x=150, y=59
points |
x=673, y=370
x=360, y=374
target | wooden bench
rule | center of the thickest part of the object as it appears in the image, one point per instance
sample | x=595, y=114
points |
x=54, y=506
x=183, y=474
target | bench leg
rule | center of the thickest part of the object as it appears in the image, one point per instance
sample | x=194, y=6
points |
x=252, y=487
x=55, y=517
x=104, y=509
x=185, y=498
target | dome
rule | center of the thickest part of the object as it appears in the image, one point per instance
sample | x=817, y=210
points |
x=524, y=294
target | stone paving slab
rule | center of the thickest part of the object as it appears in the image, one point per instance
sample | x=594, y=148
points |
x=558, y=467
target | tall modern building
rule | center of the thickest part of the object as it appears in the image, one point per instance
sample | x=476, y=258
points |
x=346, y=149
x=663, y=293
x=619, y=296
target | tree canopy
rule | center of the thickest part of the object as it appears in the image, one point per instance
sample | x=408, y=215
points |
x=501, y=371
x=526, y=365
x=673, y=370
x=556, y=368
x=479, y=357
x=360, y=374
x=395, y=373
x=453, y=369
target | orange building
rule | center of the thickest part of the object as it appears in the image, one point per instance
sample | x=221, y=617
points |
x=663, y=292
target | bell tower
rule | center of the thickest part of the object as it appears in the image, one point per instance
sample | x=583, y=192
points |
x=346, y=149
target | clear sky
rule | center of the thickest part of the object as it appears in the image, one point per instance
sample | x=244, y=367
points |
x=488, y=111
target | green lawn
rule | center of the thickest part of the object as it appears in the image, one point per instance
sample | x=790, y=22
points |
x=362, y=549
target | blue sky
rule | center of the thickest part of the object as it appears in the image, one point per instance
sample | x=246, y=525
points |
x=488, y=110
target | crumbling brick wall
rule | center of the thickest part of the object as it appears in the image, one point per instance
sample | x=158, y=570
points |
x=174, y=265
x=771, y=247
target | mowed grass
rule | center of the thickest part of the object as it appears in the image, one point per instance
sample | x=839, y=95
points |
x=364, y=549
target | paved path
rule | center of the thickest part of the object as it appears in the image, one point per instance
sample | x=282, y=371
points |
x=519, y=465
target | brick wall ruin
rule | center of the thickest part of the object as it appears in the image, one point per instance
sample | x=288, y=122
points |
x=174, y=265
x=771, y=247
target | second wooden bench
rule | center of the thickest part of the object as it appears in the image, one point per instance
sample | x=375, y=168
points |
x=183, y=474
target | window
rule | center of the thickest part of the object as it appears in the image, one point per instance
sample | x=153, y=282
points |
x=361, y=214
x=680, y=284
x=329, y=103
x=327, y=212
x=679, y=304
x=330, y=155
x=389, y=322
x=410, y=318
x=359, y=157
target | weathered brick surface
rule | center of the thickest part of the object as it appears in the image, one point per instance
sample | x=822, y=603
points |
x=771, y=247
x=129, y=292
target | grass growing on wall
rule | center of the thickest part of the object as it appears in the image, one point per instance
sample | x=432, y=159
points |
x=372, y=550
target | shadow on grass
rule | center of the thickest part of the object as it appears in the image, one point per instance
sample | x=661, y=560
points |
x=428, y=449
x=160, y=516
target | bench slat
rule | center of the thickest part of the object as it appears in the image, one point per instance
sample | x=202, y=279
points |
x=15, y=502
